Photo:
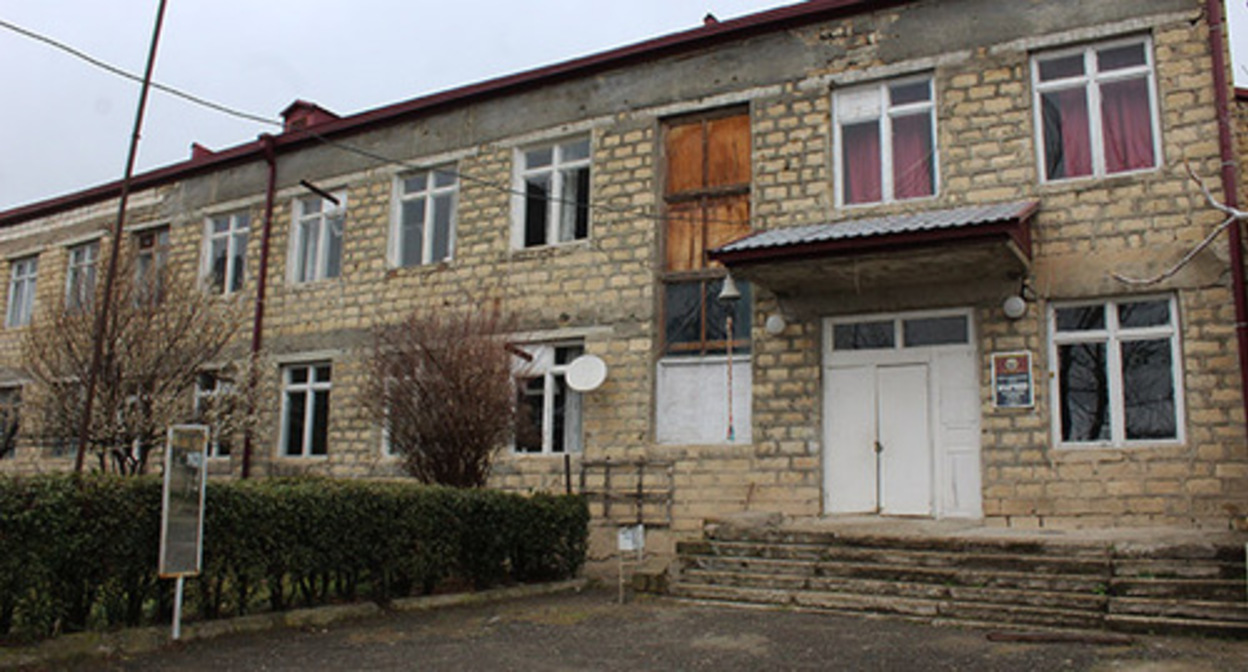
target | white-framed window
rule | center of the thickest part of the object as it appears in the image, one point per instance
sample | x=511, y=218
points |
x=211, y=388
x=424, y=228
x=151, y=259
x=225, y=252
x=886, y=140
x=10, y=419
x=22, y=276
x=316, y=250
x=552, y=183
x=305, y=409
x=1096, y=109
x=1117, y=376
x=80, y=276
x=549, y=421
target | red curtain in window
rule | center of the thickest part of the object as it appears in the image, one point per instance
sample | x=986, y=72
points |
x=1128, y=127
x=1067, y=139
x=912, y=156
x=861, y=162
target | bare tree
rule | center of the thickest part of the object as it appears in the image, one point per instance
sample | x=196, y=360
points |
x=442, y=385
x=162, y=332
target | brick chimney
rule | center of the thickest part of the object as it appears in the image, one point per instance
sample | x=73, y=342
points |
x=301, y=114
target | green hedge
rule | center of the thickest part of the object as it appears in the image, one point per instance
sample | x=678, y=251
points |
x=81, y=553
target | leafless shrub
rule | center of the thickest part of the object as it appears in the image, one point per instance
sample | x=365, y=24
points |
x=161, y=333
x=442, y=385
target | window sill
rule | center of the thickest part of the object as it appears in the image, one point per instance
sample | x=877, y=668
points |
x=1109, y=181
x=313, y=285
x=394, y=271
x=1077, y=448
x=524, y=456
x=543, y=251
x=924, y=201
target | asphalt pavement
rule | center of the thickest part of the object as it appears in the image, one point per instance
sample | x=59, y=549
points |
x=589, y=630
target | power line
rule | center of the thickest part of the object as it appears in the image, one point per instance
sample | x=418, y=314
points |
x=641, y=211
x=81, y=55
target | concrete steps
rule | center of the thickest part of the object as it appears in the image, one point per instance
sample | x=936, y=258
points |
x=1003, y=582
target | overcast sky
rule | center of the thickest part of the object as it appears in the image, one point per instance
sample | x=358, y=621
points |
x=65, y=125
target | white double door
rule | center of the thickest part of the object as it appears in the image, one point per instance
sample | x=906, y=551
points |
x=901, y=431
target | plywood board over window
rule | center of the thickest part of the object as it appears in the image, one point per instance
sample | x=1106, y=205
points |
x=707, y=190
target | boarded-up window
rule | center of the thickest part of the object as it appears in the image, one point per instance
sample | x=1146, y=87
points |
x=707, y=199
x=708, y=188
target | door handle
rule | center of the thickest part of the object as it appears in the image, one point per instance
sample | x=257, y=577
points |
x=879, y=447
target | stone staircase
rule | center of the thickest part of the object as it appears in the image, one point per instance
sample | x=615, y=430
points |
x=1000, y=581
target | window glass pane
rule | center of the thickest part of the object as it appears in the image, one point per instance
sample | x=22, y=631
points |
x=568, y=428
x=217, y=253
x=1067, y=134
x=1148, y=390
x=333, y=248
x=442, y=207
x=415, y=183
x=1061, y=68
x=683, y=308
x=914, y=92
x=860, y=163
x=220, y=224
x=536, y=210
x=1084, y=392
x=935, y=331
x=1081, y=318
x=320, y=422
x=575, y=151
x=296, y=413
x=574, y=205
x=1127, y=125
x=240, y=261
x=1116, y=58
x=443, y=178
x=913, y=176
x=298, y=374
x=412, y=232
x=538, y=157
x=529, y=419
x=310, y=205
x=323, y=374
x=565, y=354
x=309, y=232
x=863, y=336
x=1144, y=314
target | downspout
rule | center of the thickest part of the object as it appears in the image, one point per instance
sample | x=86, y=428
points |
x=257, y=324
x=1230, y=179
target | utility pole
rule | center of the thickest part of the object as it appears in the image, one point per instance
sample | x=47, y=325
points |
x=106, y=300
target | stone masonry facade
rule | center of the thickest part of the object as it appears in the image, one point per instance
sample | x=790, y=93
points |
x=603, y=292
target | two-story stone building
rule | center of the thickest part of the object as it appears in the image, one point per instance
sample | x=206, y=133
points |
x=934, y=212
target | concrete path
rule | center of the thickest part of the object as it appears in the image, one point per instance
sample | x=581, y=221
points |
x=590, y=631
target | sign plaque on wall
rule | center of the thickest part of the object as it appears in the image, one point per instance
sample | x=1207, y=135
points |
x=1012, y=384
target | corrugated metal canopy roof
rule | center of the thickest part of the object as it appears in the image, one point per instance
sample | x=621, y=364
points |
x=874, y=227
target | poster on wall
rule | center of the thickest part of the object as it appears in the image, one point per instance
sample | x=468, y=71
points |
x=1012, y=384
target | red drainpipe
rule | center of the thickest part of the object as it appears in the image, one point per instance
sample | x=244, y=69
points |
x=1230, y=179
x=257, y=324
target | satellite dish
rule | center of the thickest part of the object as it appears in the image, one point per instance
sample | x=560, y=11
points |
x=586, y=373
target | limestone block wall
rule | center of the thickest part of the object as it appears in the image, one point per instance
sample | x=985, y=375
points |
x=604, y=291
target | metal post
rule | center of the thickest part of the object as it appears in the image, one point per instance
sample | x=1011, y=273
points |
x=101, y=311
x=177, y=608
